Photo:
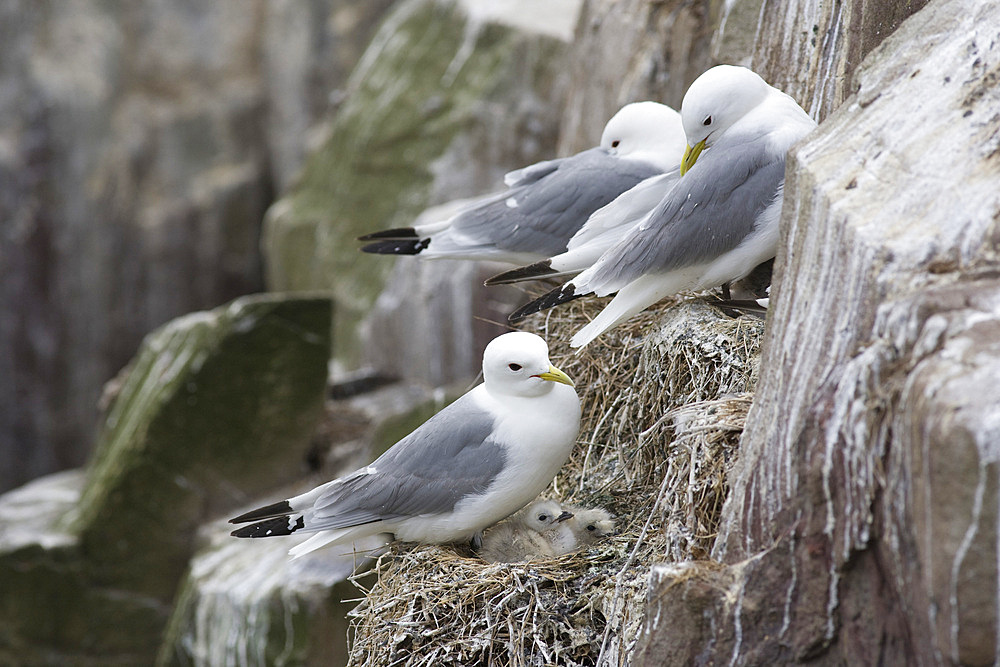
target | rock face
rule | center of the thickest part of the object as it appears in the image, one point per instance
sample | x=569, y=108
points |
x=216, y=405
x=432, y=320
x=808, y=50
x=630, y=50
x=862, y=524
x=440, y=106
x=141, y=144
x=246, y=601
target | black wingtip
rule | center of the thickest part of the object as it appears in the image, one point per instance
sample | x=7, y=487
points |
x=557, y=296
x=270, y=511
x=396, y=247
x=397, y=233
x=529, y=272
x=281, y=525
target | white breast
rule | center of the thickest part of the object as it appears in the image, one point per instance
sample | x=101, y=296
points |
x=539, y=433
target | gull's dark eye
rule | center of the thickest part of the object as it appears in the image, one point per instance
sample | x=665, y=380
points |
x=514, y=367
x=543, y=517
x=591, y=527
x=614, y=144
x=707, y=121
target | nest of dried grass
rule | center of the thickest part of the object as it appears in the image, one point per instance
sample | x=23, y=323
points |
x=665, y=397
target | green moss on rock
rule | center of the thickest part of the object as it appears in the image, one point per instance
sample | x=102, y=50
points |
x=50, y=613
x=421, y=84
x=217, y=405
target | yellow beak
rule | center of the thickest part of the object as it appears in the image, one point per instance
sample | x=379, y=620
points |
x=556, y=375
x=691, y=156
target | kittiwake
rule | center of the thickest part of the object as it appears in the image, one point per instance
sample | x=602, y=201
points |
x=719, y=221
x=547, y=202
x=589, y=525
x=540, y=530
x=603, y=229
x=473, y=463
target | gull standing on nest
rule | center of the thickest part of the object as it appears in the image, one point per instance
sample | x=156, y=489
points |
x=475, y=462
x=719, y=221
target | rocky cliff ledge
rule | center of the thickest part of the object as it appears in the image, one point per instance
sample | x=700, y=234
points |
x=818, y=488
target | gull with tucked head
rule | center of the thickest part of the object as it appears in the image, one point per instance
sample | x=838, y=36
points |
x=473, y=463
x=718, y=221
x=547, y=202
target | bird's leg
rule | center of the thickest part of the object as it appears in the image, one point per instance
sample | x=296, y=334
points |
x=725, y=292
x=477, y=541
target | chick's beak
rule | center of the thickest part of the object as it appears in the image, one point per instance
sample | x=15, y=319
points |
x=691, y=154
x=562, y=517
x=556, y=375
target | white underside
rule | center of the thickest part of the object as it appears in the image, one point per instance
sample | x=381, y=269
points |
x=643, y=292
x=540, y=432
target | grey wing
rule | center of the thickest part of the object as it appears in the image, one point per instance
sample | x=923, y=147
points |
x=542, y=215
x=531, y=173
x=450, y=456
x=706, y=214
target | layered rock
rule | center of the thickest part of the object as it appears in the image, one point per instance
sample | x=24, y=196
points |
x=862, y=523
x=808, y=50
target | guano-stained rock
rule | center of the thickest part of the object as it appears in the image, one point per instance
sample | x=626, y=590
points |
x=862, y=523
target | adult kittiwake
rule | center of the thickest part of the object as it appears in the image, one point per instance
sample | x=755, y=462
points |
x=475, y=462
x=719, y=221
x=547, y=202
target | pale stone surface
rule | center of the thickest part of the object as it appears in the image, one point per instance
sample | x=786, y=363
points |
x=862, y=523
x=810, y=50
x=247, y=601
x=554, y=18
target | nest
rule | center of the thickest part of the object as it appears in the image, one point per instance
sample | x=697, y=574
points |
x=665, y=397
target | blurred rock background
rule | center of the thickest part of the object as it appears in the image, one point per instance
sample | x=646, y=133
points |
x=141, y=144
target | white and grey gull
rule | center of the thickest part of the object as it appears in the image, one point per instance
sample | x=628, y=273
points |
x=548, y=202
x=475, y=462
x=718, y=221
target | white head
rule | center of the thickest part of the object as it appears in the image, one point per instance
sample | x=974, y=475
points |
x=517, y=364
x=543, y=515
x=647, y=131
x=590, y=525
x=715, y=101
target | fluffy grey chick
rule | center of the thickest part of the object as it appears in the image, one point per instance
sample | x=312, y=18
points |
x=589, y=526
x=537, y=531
